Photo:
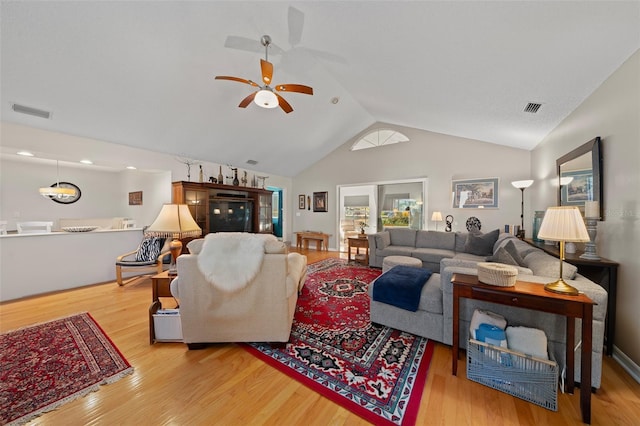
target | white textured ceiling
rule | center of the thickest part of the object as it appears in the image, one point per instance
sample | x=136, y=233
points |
x=142, y=73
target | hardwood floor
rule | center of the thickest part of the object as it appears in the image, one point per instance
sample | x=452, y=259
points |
x=223, y=384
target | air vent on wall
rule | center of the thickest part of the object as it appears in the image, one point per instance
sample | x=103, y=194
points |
x=252, y=162
x=532, y=107
x=31, y=111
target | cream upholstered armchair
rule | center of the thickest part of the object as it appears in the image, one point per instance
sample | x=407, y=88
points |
x=237, y=287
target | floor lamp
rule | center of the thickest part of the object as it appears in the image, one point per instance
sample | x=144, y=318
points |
x=563, y=224
x=174, y=221
x=522, y=185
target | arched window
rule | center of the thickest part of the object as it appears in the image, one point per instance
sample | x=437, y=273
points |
x=379, y=137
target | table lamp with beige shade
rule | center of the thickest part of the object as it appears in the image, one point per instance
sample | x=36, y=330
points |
x=563, y=224
x=436, y=217
x=174, y=221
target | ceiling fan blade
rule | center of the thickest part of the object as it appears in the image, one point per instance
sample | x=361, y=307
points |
x=238, y=79
x=243, y=43
x=284, y=104
x=246, y=101
x=299, y=88
x=296, y=23
x=267, y=71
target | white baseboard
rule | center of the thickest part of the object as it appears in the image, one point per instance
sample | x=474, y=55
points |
x=627, y=363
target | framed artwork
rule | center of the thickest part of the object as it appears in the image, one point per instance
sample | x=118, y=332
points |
x=320, y=201
x=475, y=193
x=578, y=189
x=135, y=198
x=301, y=202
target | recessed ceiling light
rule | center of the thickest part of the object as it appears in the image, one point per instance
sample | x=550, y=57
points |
x=25, y=153
x=86, y=161
x=131, y=167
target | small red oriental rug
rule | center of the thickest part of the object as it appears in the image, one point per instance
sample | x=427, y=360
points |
x=373, y=371
x=46, y=365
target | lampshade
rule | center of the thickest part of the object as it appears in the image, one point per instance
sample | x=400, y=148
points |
x=522, y=184
x=436, y=216
x=57, y=191
x=174, y=221
x=266, y=99
x=563, y=224
x=566, y=180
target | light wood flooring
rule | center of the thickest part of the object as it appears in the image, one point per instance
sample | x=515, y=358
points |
x=225, y=385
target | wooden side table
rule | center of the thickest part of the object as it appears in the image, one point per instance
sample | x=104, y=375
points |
x=161, y=287
x=603, y=272
x=358, y=243
x=534, y=296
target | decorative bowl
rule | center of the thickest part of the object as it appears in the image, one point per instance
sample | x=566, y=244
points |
x=79, y=228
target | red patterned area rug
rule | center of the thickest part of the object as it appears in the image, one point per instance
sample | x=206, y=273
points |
x=374, y=371
x=47, y=365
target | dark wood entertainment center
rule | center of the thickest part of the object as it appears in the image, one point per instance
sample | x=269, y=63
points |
x=200, y=196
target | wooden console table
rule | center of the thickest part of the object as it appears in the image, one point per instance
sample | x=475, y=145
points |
x=603, y=272
x=534, y=296
x=321, y=239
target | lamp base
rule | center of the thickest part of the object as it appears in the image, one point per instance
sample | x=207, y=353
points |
x=561, y=287
x=175, y=247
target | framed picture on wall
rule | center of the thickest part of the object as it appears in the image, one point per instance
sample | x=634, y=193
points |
x=475, y=193
x=301, y=202
x=320, y=201
x=135, y=198
x=578, y=188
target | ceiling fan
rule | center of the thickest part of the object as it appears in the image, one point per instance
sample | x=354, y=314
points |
x=265, y=97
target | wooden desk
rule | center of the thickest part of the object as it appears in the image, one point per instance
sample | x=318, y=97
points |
x=603, y=272
x=534, y=296
x=161, y=287
x=321, y=239
x=358, y=243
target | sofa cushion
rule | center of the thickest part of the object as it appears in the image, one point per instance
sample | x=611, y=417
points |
x=383, y=239
x=431, y=296
x=275, y=247
x=503, y=256
x=548, y=266
x=461, y=241
x=434, y=239
x=481, y=244
x=432, y=255
x=195, y=246
x=511, y=249
x=403, y=237
x=395, y=251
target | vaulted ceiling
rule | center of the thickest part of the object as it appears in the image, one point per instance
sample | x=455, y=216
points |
x=142, y=73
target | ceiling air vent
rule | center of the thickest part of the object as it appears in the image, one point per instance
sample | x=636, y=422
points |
x=31, y=111
x=252, y=162
x=532, y=107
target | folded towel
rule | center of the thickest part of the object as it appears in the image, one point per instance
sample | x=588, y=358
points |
x=491, y=334
x=530, y=341
x=401, y=286
x=485, y=317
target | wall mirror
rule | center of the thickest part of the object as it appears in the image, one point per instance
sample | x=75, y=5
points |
x=580, y=176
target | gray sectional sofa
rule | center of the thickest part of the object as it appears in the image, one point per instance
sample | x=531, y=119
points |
x=446, y=254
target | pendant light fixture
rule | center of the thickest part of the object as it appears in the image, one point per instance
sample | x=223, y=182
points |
x=57, y=191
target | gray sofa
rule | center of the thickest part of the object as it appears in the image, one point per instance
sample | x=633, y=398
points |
x=434, y=317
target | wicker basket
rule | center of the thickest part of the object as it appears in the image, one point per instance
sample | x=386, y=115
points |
x=497, y=274
x=533, y=379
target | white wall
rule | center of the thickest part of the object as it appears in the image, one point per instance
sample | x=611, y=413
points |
x=102, y=191
x=613, y=113
x=440, y=158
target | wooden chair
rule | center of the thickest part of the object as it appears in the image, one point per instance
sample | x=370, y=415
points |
x=148, y=256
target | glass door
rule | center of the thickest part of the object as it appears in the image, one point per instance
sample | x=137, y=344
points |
x=357, y=212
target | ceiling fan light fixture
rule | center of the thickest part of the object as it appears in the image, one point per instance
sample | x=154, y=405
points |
x=266, y=99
